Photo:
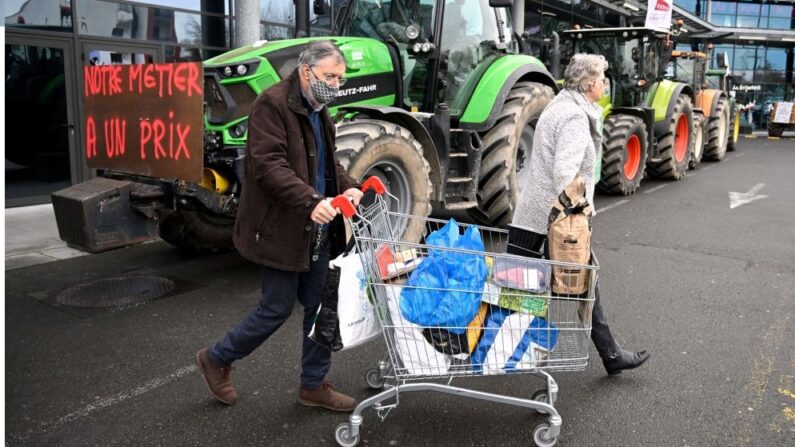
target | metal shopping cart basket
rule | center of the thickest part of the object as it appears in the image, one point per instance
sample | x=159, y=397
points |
x=522, y=325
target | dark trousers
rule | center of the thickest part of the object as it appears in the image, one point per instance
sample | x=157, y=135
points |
x=530, y=244
x=279, y=291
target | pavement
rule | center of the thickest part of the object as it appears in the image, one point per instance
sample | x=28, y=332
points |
x=32, y=237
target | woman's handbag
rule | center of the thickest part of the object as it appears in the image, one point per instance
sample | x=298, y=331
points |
x=569, y=239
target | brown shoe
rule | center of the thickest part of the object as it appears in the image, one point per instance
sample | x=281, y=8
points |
x=218, y=380
x=326, y=397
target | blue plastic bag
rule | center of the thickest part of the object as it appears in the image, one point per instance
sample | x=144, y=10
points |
x=445, y=289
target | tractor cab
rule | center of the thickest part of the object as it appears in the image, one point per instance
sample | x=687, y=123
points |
x=689, y=67
x=636, y=57
x=440, y=47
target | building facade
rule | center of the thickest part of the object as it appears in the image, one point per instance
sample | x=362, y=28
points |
x=49, y=41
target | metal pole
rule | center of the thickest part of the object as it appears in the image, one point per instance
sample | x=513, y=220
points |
x=301, y=18
x=518, y=17
x=246, y=22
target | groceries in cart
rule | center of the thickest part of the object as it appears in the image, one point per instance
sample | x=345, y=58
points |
x=445, y=289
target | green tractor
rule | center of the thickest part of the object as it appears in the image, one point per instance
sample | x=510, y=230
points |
x=720, y=78
x=649, y=120
x=440, y=104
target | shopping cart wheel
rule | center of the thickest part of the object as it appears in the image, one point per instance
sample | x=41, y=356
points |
x=539, y=436
x=541, y=396
x=374, y=379
x=343, y=436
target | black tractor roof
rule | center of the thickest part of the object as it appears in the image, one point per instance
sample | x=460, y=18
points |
x=616, y=32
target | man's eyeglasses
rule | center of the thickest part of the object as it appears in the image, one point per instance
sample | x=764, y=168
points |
x=331, y=78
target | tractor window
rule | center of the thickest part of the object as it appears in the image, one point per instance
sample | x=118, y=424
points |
x=472, y=33
x=652, y=58
x=387, y=20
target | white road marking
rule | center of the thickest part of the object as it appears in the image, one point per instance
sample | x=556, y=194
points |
x=741, y=198
x=611, y=206
x=656, y=188
x=106, y=402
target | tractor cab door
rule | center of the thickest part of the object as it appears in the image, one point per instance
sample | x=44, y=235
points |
x=474, y=34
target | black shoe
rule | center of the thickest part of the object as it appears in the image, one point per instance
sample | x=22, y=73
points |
x=625, y=360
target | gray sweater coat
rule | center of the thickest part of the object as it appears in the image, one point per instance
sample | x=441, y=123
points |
x=568, y=138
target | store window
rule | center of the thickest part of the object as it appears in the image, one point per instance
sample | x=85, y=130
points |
x=128, y=21
x=46, y=16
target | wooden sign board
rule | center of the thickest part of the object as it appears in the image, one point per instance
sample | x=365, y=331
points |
x=145, y=119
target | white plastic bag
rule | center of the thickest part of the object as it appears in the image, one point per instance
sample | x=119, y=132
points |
x=357, y=318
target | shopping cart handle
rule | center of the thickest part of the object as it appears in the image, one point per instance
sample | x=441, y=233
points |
x=344, y=205
x=375, y=184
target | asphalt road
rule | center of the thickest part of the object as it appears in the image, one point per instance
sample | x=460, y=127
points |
x=708, y=289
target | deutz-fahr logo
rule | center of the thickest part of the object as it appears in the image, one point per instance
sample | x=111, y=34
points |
x=662, y=5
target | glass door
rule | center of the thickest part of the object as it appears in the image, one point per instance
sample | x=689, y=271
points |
x=40, y=128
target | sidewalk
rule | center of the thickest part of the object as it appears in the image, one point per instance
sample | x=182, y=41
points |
x=32, y=237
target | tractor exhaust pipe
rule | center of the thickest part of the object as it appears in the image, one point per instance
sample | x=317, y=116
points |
x=555, y=56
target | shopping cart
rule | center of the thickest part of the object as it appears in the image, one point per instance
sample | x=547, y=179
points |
x=547, y=331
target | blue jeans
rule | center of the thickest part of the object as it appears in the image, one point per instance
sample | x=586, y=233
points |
x=279, y=291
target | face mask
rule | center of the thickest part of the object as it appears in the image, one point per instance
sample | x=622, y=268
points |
x=322, y=91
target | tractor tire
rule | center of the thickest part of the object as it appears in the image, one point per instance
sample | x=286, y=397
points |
x=506, y=153
x=697, y=147
x=717, y=132
x=367, y=147
x=734, y=130
x=674, y=144
x=774, y=129
x=196, y=232
x=624, y=154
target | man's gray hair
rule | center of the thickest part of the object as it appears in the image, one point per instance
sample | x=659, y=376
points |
x=319, y=50
x=582, y=70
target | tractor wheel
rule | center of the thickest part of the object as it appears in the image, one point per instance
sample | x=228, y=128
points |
x=717, y=132
x=624, y=159
x=674, y=144
x=774, y=129
x=368, y=147
x=697, y=148
x=197, y=232
x=506, y=152
x=734, y=130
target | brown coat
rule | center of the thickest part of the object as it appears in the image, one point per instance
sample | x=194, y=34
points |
x=273, y=227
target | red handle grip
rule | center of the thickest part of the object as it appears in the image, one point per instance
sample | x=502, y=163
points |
x=344, y=205
x=375, y=184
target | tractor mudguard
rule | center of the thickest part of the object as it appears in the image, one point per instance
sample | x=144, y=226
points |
x=417, y=129
x=662, y=99
x=707, y=100
x=647, y=115
x=496, y=83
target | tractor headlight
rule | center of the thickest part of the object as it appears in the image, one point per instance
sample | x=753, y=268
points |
x=239, y=129
x=241, y=70
x=412, y=31
x=417, y=47
x=426, y=47
x=227, y=71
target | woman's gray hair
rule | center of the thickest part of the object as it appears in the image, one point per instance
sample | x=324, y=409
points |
x=319, y=50
x=582, y=70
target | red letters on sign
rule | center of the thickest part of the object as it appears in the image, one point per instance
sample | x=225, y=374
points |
x=91, y=138
x=115, y=137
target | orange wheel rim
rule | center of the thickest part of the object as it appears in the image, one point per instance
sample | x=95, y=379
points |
x=682, y=137
x=632, y=163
